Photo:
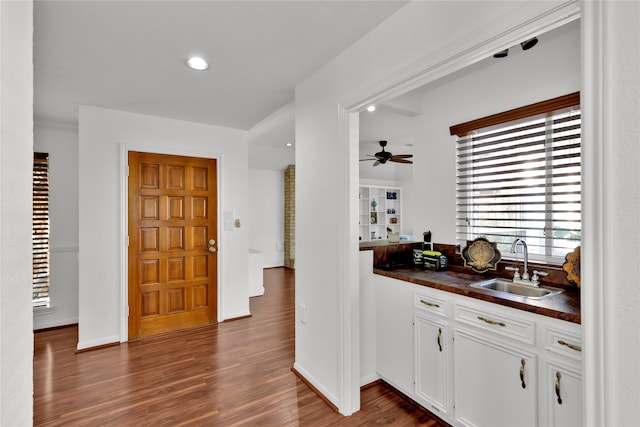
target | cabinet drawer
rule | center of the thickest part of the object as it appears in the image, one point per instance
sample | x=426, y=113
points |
x=563, y=342
x=498, y=323
x=428, y=303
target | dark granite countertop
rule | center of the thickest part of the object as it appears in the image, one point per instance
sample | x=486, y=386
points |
x=564, y=306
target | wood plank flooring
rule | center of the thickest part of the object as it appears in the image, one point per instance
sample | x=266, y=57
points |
x=233, y=374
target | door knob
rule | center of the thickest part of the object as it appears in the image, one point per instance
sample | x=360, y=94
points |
x=212, y=249
x=212, y=242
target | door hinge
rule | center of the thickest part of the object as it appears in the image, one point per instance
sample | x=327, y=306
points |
x=128, y=240
x=127, y=170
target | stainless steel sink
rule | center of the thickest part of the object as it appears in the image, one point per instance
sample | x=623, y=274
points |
x=509, y=287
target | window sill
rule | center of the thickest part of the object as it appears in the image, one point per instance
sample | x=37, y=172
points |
x=42, y=310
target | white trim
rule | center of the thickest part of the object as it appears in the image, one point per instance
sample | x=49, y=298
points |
x=234, y=316
x=534, y=18
x=124, y=207
x=64, y=249
x=44, y=310
x=82, y=345
x=594, y=214
x=315, y=383
x=56, y=323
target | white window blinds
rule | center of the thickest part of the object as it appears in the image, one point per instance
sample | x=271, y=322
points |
x=521, y=179
x=40, y=234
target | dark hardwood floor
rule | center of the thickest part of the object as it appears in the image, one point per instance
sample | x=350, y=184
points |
x=233, y=374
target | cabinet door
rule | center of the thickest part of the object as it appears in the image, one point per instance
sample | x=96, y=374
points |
x=563, y=395
x=394, y=333
x=432, y=349
x=494, y=384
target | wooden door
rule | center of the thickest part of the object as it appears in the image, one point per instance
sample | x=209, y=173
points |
x=172, y=243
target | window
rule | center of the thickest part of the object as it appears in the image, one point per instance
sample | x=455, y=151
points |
x=518, y=176
x=40, y=234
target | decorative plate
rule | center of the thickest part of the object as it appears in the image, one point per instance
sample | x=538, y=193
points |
x=481, y=255
x=571, y=266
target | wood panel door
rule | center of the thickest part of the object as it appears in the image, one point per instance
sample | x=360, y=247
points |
x=172, y=243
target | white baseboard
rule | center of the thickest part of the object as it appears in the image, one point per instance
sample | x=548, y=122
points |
x=236, y=315
x=83, y=345
x=319, y=387
x=369, y=378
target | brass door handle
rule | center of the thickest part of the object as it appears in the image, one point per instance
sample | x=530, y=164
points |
x=522, y=365
x=439, y=336
x=492, y=322
x=430, y=304
x=571, y=346
x=558, y=387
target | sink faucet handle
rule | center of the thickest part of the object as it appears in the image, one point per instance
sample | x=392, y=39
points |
x=535, y=279
x=516, y=274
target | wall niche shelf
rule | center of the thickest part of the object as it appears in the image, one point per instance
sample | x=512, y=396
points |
x=380, y=209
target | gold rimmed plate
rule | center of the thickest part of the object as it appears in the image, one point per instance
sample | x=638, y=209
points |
x=571, y=266
x=481, y=255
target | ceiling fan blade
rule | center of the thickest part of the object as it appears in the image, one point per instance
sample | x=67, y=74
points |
x=364, y=160
x=376, y=163
x=402, y=156
x=402, y=161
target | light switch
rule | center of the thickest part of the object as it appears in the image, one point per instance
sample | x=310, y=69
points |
x=228, y=220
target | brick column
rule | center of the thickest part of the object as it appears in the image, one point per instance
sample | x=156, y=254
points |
x=290, y=216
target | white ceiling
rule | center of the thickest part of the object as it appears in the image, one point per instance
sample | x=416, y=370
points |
x=129, y=55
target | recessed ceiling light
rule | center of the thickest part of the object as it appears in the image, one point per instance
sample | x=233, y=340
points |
x=289, y=144
x=371, y=108
x=197, y=63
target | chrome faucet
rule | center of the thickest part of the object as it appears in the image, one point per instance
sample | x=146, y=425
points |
x=514, y=248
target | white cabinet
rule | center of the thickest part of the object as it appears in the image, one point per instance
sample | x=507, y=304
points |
x=495, y=384
x=475, y=363
x=432, y=350
x=432, y=359
x=562, y=394
x=380, y=210
x=561, y=380
x=367, y=319
x=495, y=366
x=394, y=333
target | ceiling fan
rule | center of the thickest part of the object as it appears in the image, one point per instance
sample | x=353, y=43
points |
x=382, y=157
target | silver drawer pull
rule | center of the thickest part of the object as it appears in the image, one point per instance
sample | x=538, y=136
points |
x=430, y=304
x=571, y=346
x=492, y=322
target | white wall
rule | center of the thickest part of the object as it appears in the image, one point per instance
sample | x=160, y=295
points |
x=611, y=298
x=611, y=285
x=324, y=346
x=16, y=164
x=548, y=70
x=102, y=134
x=266, y=215
x=62, y=145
